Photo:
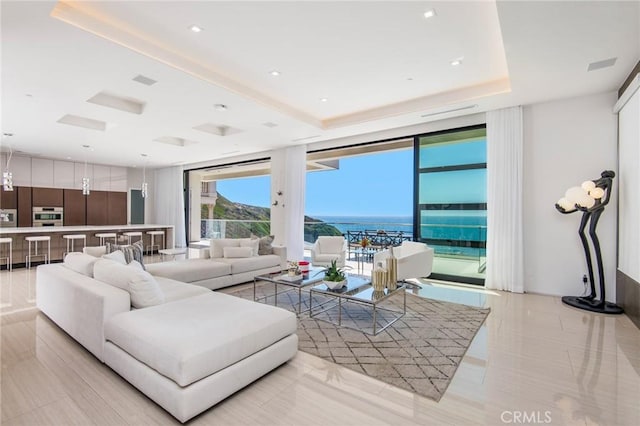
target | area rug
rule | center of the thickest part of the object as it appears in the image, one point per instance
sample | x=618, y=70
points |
x=420, y=352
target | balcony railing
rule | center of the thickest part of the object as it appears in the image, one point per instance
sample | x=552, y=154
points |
x=448, y=240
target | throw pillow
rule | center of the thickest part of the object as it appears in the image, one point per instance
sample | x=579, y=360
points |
x=144, y=290
x=116, y=274
x=217, y=246
x=254, y=243
x=97, y=251
x=117, y=256
x=264, y=245
x=231, y=252
x=133, y=252
x=80, y=263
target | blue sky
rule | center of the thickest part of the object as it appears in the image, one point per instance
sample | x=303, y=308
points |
x=371, y=185
x=378, y=184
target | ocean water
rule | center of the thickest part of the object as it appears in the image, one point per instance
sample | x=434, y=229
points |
x=458, y=228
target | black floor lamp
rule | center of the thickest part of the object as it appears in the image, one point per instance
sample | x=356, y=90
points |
x=590, y=198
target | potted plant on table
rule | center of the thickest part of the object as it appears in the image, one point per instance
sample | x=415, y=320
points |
x=334, y=277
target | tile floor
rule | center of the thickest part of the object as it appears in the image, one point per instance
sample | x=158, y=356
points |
x=534, y=361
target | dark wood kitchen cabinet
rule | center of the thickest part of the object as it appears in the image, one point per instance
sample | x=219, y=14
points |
x=9, y=199
x=97, y=211
x=117, y=208
x=75, y=208
x=47, y=197
x=25, y=216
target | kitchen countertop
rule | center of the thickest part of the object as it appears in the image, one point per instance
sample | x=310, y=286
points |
x=96, y=228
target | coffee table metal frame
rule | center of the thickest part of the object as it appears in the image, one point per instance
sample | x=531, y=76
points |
x=314, y=277
x=363, y=295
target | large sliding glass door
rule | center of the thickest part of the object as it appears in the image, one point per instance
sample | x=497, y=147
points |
x=451, y=201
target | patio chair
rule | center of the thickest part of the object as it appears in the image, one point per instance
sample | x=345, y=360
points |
x=415, y=260
x=326, y=249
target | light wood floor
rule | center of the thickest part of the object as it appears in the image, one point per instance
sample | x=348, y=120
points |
x=534, y=357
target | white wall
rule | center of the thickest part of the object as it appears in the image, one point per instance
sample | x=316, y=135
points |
x=629, y=179
x=565, y=143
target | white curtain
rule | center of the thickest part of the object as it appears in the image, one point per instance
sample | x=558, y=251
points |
x=168, y=201
x=505, y=264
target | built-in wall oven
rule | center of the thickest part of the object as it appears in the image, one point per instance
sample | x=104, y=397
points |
x=8, y=218
x=48, y=216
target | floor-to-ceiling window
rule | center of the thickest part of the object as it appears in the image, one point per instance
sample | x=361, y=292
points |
x=451, y=201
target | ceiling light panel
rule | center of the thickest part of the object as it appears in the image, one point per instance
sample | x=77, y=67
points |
x=217, y=129
x=430, y=13
x=602, y=64
x=195, y=28
x=121, y=103
x=87, y=123
x=171, y=140
x=144, y=80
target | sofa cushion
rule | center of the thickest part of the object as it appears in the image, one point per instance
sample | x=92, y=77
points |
x=190, y=270
x=192, y=338
x=116, y=256
x=254, y=243
x=176, y=290
x=115, y=274
x=238, y=252
x=326, y=258
x=97, y=251
x=80, y=263
x=131, y=252
x=330, y=244
x=144, y=290
x=240, y=265
x=265, y=245
x=217, y=245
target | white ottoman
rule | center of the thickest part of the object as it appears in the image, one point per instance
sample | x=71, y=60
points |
x=190, y=354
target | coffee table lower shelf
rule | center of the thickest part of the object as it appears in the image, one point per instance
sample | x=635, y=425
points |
x=367, y=301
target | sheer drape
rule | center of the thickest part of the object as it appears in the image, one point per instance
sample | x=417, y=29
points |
x=505, y=265
x=168, y=201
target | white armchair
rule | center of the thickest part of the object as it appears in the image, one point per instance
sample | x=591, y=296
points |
x=415, y=260
x=326, y=249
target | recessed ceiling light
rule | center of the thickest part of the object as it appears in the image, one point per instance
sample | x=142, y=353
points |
x=430, y=13
x=195, y=28
x=457, y=61
x=274, y=73
x=323, y=99
x=220, y=107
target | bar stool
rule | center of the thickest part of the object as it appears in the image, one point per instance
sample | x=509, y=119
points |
x=71, y=238
x=104, y=235
x=8, y=240
x=154, y=234
x=132, y=234
x=35, y=239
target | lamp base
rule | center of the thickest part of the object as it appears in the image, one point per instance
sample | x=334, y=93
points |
x=592, y=305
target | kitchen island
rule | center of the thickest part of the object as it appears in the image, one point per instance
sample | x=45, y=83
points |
x=59, y=245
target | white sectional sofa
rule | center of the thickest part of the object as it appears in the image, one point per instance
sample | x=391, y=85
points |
x=230, y=261
x=189, y=351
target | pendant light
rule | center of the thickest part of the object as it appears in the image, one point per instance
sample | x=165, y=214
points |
x=85, y=179
x=145, y=186
x=7, y=176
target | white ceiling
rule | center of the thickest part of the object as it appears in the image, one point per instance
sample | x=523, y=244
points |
x=381, y=65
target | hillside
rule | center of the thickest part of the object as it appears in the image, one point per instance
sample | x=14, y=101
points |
x=227, y=209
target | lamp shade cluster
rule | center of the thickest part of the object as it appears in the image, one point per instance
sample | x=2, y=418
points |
x=584, y=196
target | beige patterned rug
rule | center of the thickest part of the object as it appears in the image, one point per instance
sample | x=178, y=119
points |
x=420, y=352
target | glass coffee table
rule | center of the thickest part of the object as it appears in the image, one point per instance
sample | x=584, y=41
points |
x=333, y=305
x=291, y=284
